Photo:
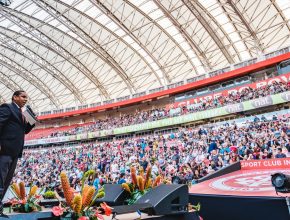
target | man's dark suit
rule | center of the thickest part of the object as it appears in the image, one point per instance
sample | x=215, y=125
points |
x=13, y=128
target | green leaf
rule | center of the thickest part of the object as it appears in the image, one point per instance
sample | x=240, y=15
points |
x=38, y=207
x=12, y=191
x=26, y=207
x=42, y=188
x=30, y=188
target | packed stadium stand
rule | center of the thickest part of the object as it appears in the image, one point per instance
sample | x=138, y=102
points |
x=188, y=150
x=191, y=89
x=190, y=153
x=172, y=110
x=255, y=125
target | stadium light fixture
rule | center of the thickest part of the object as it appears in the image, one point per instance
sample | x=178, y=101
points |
x=281, y=182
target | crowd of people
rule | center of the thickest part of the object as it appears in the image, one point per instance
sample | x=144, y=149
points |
x=154, y=114
x=187, y=155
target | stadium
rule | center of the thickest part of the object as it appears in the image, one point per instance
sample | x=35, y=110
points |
x=161, y=109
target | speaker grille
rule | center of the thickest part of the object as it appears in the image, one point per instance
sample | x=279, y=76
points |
x=114, y=195
x=166, y=199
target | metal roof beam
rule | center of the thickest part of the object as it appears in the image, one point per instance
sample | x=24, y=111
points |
x=197, y=10
x=280, y=12
x=2, y=99
x=167, y=34
x=26, y=75
x=258, y=43
x=9, y=83
x=117, y=21
x=97, y=47
x=220, y=28
x=193, y=45
x=116, y=36
x=22, y=20
x=40, y=61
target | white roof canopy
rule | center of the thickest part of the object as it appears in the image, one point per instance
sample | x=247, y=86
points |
x=73, y=52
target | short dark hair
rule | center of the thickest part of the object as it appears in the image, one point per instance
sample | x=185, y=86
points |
x=17, y=93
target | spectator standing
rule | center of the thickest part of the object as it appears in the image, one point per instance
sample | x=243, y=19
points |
x=280, y=154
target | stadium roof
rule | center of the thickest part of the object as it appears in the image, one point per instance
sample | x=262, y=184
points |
x=74, y=52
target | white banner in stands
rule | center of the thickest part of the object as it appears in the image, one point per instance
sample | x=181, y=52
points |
x=50, y=140
x=281, y=78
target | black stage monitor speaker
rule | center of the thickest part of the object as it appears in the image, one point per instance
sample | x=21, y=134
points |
x=114, y=195
x=50, y=202
x=166, y=199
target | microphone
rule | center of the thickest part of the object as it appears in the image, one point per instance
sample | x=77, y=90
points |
x=30, y=116
x=29, y=108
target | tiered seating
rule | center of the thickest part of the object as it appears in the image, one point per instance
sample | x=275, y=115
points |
x=52, y=131
x=142, y=116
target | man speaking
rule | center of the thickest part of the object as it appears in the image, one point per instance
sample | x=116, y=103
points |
x=13, y=127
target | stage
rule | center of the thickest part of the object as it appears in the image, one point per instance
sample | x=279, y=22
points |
x=47, y=215
x=242, y=191
x=245, y=194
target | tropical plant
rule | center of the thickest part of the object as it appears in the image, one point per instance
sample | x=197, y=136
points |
x=141, y=184
x=80, y=205
x=23, y=202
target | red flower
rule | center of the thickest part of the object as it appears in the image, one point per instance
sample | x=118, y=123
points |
x=83, y=218
x=14, y=201
x=37, y=196
x=23, y=201
x=57, y=210
x=107, y=209
x=98, y=215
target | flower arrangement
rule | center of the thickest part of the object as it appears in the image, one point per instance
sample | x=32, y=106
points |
x=141, y=183
x=79, y=206
x=23, y=202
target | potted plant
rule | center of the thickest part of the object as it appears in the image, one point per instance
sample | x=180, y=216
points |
x=23, y=202
x=79, y=206
x=141, y=183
